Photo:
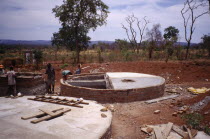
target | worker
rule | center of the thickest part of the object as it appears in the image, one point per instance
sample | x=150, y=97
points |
x=78, y=71
x=65, y=73
x=1, y=69
x=50, y=78
x=11, y=82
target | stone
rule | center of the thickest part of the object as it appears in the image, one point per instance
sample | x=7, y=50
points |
x=104, y=109
x=103, y=115
x=157, y=112
x=174, y=114
x=149, y=130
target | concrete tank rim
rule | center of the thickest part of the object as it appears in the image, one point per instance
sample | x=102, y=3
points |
x=66, y=84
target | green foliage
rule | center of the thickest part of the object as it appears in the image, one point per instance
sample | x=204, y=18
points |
x=100, y=58
x=127, y=55
x=171, y=34
x=77, y=17
x=64, y=66
x=7, y=62
x=38, y=56
x=206, y=42
x=193, y=119
x=2, y=51
x=122, y=44
x=207, y=130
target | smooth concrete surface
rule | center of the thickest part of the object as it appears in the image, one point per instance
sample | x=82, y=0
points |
x=138, y=80
x=79, y=123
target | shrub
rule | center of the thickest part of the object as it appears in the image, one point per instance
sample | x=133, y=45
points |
x=7, y=62
x=64, y=66
x=193, y=119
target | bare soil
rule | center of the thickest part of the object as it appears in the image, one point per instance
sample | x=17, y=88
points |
x=129, y=117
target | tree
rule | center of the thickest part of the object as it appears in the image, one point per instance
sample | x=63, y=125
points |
x=132, y=33
x=122, y=44
x=77, y=17
x=189, y=16
x=206, y=43
x=207, y=3
x=154, y=37
x=38, y=56
x=171, y=36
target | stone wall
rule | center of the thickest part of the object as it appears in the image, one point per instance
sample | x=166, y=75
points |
x=111, y=96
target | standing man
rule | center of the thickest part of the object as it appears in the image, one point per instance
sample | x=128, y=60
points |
x=50, y=78
x=11, y=82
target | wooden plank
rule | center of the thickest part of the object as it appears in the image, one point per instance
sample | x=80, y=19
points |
x=38, y=114
x=47, y=112
x=58, y=113
x=158, y=133
x=179, y=131
x=189, y=133
x=167, y=130
x=160, y=99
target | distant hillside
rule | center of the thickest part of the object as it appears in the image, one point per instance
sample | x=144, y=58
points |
x=24, y=42
x=48, y=42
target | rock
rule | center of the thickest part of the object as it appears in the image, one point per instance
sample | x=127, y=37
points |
x=149, y=130
x=171, y=106
x=205, y=113
x=174, y=114
x=104, y=109
x=103, y=115
x=157, y=112
x=180, y=112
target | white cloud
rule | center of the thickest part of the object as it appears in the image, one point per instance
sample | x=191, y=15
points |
x=33, y=19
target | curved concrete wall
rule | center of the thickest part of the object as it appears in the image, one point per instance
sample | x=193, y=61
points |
x=110, y=95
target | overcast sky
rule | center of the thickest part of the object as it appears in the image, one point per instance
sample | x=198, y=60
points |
x=34, y=20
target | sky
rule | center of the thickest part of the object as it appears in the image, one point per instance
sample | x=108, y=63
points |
x=34, y=20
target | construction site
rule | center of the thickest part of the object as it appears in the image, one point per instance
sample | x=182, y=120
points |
x=104, y=69
x=106, y=101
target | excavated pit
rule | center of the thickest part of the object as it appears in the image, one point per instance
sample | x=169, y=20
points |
x=28, y=83
x=114, y=86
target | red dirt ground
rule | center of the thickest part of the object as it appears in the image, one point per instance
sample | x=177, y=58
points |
x=129, y=117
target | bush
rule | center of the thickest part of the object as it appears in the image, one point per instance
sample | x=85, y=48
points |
x=64, y=66
x=7, y=62
x=193, y=119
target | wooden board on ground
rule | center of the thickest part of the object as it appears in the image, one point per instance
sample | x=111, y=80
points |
x=179, y=131
x=56, y=114
x=38, y=114
x=167, y=130
x=158, y=133
x=160, y=99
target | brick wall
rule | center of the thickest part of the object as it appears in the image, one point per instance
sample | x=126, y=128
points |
x=111, y=96
x=22, y=83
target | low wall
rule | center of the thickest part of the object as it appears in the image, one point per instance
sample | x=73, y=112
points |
x=26, y=84
x=110, y=95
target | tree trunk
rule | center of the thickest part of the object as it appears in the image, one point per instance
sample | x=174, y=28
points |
x=209, y=52
x=187, y=51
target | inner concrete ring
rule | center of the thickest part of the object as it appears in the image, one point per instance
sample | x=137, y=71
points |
x=113, y=87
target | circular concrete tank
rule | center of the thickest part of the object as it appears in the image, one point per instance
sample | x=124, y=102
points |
x=113, y=87
x=79, y=123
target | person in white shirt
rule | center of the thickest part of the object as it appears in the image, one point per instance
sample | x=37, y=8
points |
x=11, y=82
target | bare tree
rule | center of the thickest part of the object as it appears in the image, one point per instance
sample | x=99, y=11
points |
x=207, y=3
x=132, y=33
x=190, y=17
x=154, y=37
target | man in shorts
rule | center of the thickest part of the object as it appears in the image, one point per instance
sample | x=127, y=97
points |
x=50, y=78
